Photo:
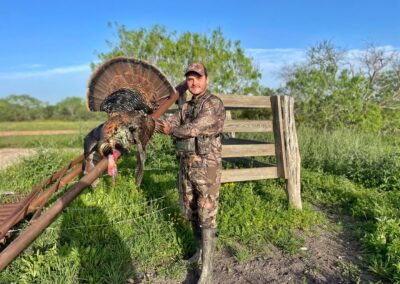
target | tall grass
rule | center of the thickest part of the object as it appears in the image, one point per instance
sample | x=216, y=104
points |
x=366, y=158
x=360, y=173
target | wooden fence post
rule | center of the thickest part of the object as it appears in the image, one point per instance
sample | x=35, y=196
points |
x=229, y=117
x=277, y=122
x=292, y=153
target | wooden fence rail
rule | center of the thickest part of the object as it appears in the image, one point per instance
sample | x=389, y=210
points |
x=284, y=148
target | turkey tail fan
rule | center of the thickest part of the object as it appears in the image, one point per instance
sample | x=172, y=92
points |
x=125, y=84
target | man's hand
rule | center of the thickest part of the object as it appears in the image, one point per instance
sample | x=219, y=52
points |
x=163, y=127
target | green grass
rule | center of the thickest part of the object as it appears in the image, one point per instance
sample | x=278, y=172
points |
x=43, y=141
x=110, y=234
x=358, y=173
x=366, y=158
x=376, y=213
x=46, y=141
x=48, y=125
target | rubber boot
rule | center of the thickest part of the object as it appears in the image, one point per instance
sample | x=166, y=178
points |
x=196, y=258
x=208, y=240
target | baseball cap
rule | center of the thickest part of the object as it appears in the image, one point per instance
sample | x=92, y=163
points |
x=196, y=67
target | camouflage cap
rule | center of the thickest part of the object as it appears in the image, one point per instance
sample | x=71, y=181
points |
x=196, y=67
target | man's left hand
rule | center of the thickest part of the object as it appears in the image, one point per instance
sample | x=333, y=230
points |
x=163, y=127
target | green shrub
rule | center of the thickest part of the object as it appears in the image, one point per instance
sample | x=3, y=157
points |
x=369, y=159
x=377, y=214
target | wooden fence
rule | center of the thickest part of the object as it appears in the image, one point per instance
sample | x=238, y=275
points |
x=284, y=147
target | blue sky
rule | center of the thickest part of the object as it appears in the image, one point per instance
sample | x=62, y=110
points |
x=46, y=46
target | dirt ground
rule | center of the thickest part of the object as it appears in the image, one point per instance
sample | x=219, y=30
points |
x=331, y=256
x=12, y=155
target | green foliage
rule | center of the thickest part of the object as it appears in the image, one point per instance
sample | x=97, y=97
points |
x=363, y=179
x=366, y=158
x=330, y=95
x=74, y=108
x=229, y=69
x=34, y=169
x=26, y=108
x=21, y=107
x=255, y=213
x=377, y=213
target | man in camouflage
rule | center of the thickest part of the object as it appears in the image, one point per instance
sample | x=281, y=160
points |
x=196, y=130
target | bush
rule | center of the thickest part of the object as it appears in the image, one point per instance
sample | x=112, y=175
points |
x=369, y=159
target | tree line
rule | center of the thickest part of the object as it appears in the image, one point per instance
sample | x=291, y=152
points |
x=25, y=107
x=330, y=91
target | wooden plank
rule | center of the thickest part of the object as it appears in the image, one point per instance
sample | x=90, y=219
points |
x=240, y=101
x=241, y=141
x=278, y=135
x=247, y=162
x=236, y=175
x=249, y=150
x=247, y=126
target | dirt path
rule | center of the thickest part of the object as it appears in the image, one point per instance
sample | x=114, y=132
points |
x=328, y=257
x=12, y=155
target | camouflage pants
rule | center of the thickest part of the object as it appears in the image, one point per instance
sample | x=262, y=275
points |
x=199, y=184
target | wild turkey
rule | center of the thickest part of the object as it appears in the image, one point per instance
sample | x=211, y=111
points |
x=129, y=90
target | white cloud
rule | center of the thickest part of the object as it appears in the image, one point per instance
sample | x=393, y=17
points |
x=45, y=73
x=272, y=60
x=34, y=66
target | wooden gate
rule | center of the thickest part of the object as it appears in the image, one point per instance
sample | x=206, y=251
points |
x=284, y=147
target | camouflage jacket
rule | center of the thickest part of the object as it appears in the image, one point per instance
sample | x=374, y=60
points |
x=200, y=117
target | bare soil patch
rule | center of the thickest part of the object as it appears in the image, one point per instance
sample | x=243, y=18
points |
x=329, y=256
x=10, y=156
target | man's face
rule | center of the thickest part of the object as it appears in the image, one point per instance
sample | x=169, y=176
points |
x=197, y=84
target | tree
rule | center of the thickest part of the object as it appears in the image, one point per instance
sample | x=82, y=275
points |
x=230, y=70
x=73, y=108
x=328, y=95
x=21, y=107
x=382, y=68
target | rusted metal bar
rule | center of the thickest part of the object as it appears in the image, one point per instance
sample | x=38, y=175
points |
x=165, y=105
x=180, y=90
x=45, y=195
x=8, y=207
x=21, y=210
x=41, y=223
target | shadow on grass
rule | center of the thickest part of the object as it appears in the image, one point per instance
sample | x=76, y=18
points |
x=104, y=257
x=153, y=188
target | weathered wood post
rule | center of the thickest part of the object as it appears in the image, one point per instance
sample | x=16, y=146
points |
x=229, y=117
x=286, y=147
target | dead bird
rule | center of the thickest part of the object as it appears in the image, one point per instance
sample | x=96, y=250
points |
x=116, y=137
x=129, y=91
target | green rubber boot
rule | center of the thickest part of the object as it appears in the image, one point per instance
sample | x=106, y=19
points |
x=208, y=240
x=196, y=258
